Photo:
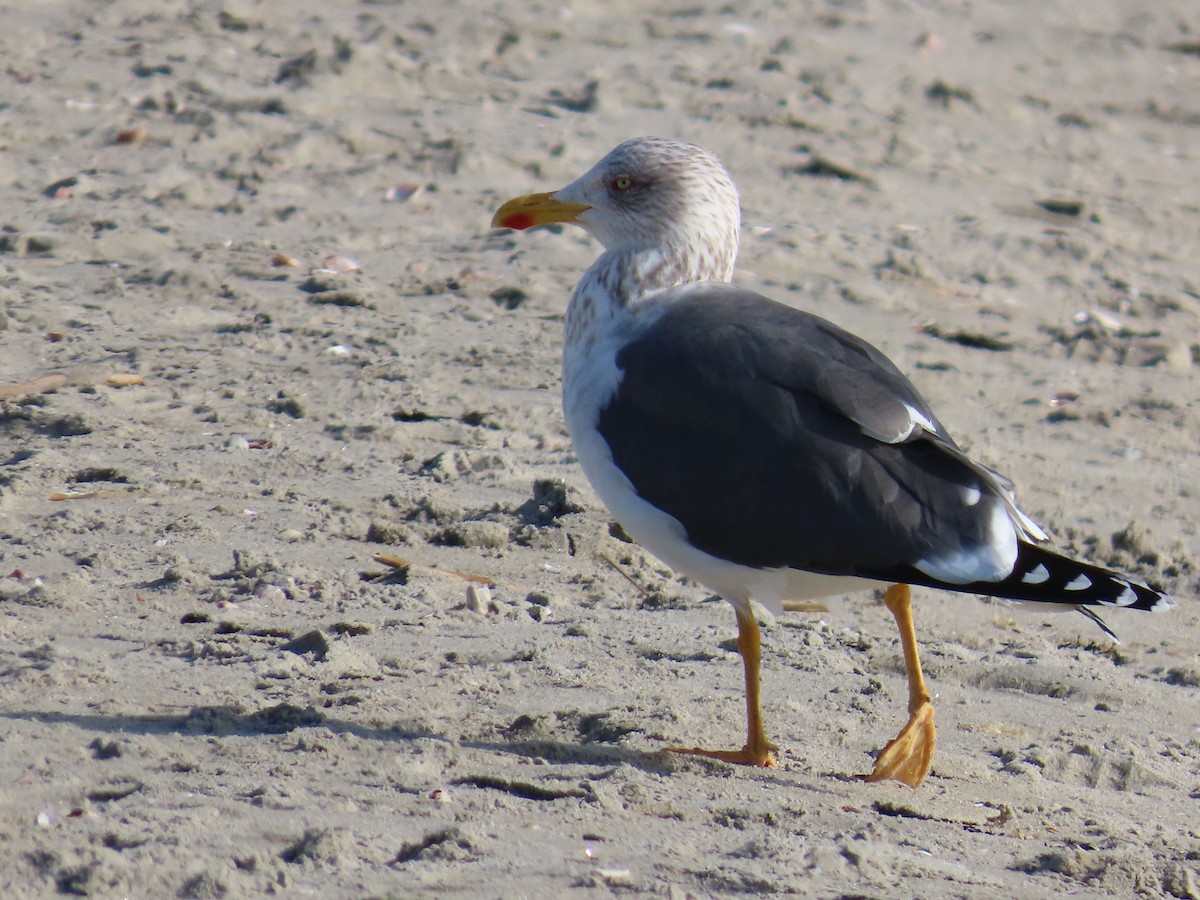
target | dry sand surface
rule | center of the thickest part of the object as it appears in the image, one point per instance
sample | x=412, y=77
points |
x=209, y=688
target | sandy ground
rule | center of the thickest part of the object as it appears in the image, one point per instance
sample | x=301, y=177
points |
x=209, y=688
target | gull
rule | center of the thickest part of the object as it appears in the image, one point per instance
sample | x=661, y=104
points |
x=764, y=451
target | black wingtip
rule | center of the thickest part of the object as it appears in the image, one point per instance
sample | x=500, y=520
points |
x=1041, y=575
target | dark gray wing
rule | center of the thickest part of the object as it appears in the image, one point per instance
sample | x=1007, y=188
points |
x=778, y=439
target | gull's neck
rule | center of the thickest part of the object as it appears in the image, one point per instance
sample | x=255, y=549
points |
x=622, y=280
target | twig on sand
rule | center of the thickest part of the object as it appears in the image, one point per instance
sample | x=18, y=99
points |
x=48, y=383
x=399, y=564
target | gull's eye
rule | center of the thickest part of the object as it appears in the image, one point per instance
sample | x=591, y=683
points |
x=622, y=183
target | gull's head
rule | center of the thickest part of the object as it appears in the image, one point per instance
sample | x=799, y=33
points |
x=646, y=194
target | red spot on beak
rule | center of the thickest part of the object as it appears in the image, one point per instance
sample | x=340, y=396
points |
x=519, y=221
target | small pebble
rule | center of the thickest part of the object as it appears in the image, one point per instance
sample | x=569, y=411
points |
x=1104, y=319
x=340, y=264
x=402, y=192
x=272, y=593
x=614, y=877
x=134, y=135
x=479, y=599
x=1179, y=357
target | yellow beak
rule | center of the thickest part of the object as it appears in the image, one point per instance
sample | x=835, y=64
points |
x=536, y=209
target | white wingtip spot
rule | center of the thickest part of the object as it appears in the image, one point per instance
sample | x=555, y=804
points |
x=1163, y=603
x=1080, y=583
x=971, y=496
x=1036, y=575
x=1127, y=597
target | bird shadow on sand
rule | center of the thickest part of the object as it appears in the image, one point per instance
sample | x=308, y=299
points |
x=223, y=721
x=666, y=763
x=283, y=718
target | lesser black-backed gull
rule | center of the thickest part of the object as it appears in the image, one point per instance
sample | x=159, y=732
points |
x=763, y=451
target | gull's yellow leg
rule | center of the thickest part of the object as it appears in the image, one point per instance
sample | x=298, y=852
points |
x=757, y=751
x=909, y=756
